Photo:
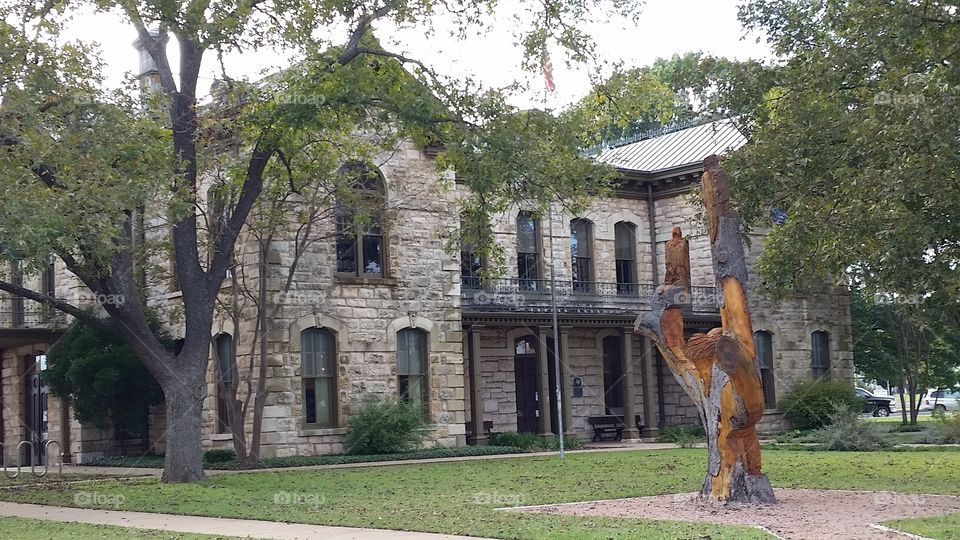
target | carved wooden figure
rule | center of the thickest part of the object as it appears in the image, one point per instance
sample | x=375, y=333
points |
x=718, y=370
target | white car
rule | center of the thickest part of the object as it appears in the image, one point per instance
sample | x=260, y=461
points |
x=940, y=401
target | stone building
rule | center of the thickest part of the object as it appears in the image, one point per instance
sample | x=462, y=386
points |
x=388, y=310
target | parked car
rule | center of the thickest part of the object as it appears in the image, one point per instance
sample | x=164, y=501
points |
x=940, y=401
x=876, y=405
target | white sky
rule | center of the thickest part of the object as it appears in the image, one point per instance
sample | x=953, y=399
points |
x=665, y=28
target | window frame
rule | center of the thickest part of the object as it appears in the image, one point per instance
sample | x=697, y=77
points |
x=821, y=370
x=370, y=187
x=223, y=424
x=580, y=264
x=423, y=364
x=626, y=287
x=314, y=376
x=524, y=280
x=766, y=369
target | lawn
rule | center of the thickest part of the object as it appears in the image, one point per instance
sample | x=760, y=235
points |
x=462, y=497
x=38, y=529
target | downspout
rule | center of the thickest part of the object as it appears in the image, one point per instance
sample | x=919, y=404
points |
x=655, y=272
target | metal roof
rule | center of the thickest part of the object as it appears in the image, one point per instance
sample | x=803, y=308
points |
x=683, y=147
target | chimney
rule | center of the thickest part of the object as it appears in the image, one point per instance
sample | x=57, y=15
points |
x=148, y=74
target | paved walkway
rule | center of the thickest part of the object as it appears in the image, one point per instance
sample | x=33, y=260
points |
x=244, y=528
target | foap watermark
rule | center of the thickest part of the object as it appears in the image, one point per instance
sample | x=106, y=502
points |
x=498, y=498
x=102, y=299
x=899, y=299
x=290, y=98
x=292, y=498
x=301, y=298
x=898, y=99
x=95, y=498
x=888, y=498
x=511, y=300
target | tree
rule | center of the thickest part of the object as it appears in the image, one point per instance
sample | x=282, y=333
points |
x=101, y=378
x=85, y=170
x=718, y=370
x=856, y=143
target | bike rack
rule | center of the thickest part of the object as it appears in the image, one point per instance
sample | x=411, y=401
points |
x=33, y=467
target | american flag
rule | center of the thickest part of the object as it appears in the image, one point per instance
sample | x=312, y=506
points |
x=548, y=75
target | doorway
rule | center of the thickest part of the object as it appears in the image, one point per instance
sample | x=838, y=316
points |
x=35, y=408
x=525, y=379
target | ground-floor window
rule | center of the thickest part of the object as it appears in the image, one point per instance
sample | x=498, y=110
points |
x=412, y=367
x=319, y=377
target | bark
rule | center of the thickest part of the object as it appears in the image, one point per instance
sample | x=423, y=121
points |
x=183, y=461
x=718, y=370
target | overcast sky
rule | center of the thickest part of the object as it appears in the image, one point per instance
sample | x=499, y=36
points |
x=665, y=28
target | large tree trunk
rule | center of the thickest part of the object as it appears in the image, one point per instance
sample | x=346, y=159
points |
x=718, y=370
x=184, y=396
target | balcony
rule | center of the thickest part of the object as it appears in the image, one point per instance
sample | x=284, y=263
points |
x=18, y=314
x=582, y=297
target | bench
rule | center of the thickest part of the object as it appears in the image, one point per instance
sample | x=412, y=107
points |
x=487, y=427
x=611, y=424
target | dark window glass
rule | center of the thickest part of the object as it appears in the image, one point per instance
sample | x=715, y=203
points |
x=227, y=373
x=412, y=367
x=820, y=354
x=626, y=258
x=318, y=372
x=612, y=375
x=17, y=312
x=764, y=342
x=581, y=232
x=360, y=242
x=528, y=260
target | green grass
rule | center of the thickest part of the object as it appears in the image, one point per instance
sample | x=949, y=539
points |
x=11, y=527
x=944, y=527
x=461, y=497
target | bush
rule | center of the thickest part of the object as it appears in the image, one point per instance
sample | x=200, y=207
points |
x=385, y=427
x=947, y=428
x=847, y=431
x=532, y=442
x=219, y=455
x=810, y=404
x=683, y=436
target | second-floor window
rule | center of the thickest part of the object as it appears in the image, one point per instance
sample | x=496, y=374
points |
x=528, y=251
x=820, y=354
x=360, y=249
x=581, y=250
x=17, y=314
x=625, y=241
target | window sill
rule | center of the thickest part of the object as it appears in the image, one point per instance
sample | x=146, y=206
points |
x=308, y=431
x=221, y=437
x=172, y=295
x=361, y=280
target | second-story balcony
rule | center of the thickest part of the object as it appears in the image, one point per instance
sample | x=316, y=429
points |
x=18, y=314
x=584, y=297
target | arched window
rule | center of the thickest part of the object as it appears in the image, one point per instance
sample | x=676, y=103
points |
x=820, y=354
x=472, y=235
x=581, y=250
x=528, y=251
x=227, y=375
x=764, y=342
x=412, y=367
x=360, y=249
x=318, y=373
x=625, y=247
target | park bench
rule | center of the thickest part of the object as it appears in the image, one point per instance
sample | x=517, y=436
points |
x=611, y=424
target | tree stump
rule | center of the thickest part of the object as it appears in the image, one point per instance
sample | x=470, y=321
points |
x=718, y=370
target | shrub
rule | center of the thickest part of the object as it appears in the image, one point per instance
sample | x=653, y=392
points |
x=219, y=455
x=810, y=404
x=525, y=441
x=847, y=431
x=907, y=428
x=683, y=436
x=947, y=428
x=385, y=427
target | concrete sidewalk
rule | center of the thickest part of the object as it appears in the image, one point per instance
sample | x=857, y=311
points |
x=243, y=528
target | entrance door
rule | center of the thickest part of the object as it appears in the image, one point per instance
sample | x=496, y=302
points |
x=35, y=408
x=525, y=378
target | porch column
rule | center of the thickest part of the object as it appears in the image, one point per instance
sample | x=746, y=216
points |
x=544, y=403
x=630, y=432
x=566, y=380
x=476, y=392
x=648, y=375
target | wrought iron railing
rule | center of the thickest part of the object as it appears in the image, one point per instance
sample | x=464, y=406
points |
x=16, y=314
x=534, y=296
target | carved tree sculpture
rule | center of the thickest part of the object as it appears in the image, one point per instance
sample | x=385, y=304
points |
x=718, y=369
